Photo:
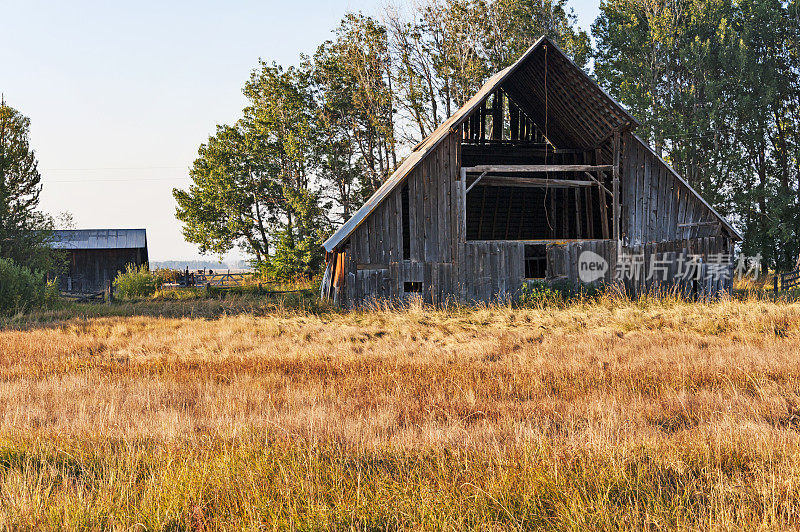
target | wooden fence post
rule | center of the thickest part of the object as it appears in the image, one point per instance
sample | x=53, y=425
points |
x=108, y=292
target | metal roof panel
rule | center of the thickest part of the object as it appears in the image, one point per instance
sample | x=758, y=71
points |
x=99, y=239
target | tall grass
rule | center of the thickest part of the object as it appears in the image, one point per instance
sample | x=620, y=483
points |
x=260, y=481
x=244, y=414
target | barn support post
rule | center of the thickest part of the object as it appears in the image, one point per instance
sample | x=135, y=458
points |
x=461, y=271
x=615, y=187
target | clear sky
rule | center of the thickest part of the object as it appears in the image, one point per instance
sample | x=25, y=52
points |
x=121, y=94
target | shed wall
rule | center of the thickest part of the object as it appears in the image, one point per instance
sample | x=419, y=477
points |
x=90, y=269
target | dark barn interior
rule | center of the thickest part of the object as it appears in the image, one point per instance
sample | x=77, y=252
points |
x=526, y=205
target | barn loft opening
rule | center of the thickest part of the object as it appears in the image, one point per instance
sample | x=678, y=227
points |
x=522, y=184
x=534, y=213
x=537, y=154
x=517, y=186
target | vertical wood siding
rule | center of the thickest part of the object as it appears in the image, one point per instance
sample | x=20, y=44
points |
x=435, y=229
x=703, y=283
x=655, y=203
x=496, y=269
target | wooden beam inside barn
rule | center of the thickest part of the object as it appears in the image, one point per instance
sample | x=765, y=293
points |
x=599, y=184
x=474, y=182
x=500, y=181
x=531, y=168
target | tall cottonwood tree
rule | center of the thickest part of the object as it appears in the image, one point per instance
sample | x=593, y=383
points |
x=252, y=182
x=281, y=128
x=353, y=82
x=716, y=84
x=224, y=205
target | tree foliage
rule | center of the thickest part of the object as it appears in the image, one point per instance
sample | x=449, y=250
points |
x=353, y=81
x=23, y=229
x=252, y=181
x=717, y=85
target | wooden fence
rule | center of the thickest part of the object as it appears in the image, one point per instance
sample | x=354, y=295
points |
x=221, y=280
x=218, y=280
x=788, y=280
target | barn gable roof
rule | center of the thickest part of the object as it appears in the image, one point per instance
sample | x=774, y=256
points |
x=580, y=112
x=99, y=239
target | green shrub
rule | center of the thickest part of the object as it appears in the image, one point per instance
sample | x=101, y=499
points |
x=539, y=294
x=166, y=276
x=22, y=289
x=137, y=282
x=544, y=294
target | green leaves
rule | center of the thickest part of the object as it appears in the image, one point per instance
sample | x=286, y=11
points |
x=353, y=82
x=717, y=85
x=248, y=177
x=23, y=229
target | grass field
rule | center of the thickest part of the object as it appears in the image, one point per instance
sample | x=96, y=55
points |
x=246, y=413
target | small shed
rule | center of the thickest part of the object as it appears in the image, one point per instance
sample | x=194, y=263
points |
x=96, y=255
x=537, y=168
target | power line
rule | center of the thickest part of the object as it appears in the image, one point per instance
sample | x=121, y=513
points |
x=115, y=180
x=112, y=168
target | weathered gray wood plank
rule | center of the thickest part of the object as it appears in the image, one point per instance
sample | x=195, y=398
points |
x=531, y=168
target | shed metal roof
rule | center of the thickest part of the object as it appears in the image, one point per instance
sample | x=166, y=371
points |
x=99, y=239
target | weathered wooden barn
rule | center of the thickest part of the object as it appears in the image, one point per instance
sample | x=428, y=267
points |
x=96, y=255
x=539, y=166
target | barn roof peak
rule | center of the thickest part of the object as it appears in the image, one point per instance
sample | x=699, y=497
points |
x=562, y=99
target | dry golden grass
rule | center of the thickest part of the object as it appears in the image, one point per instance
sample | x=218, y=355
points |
x=606, y=415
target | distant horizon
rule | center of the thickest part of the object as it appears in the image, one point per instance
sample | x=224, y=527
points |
x=195, y=263
x=121, y=97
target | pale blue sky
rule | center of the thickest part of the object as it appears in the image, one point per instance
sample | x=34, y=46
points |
x=121, y=95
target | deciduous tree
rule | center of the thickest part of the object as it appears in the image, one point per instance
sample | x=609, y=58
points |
x=252, y=182
x=716, y=85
